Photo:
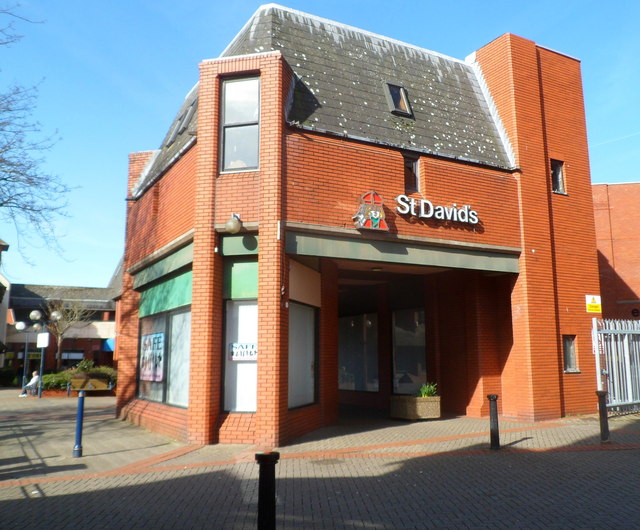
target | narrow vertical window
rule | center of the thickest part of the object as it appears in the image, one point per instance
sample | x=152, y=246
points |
x=240, y=123
x=410, y=173
x=569, y=351
x=557, y=176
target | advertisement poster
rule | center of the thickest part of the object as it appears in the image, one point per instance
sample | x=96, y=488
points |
x=152, y=357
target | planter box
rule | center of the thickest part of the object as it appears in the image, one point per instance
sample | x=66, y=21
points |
x=415, y=408
x=89, y=382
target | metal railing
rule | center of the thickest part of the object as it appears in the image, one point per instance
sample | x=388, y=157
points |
x=616, y=346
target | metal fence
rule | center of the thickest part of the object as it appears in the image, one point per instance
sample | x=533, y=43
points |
x=616, y=345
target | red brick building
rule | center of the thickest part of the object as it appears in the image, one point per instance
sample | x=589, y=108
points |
x=615, y=208
x=335, y=217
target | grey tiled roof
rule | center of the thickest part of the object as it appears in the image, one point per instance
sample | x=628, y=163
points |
x=34, y=296
x=343, y=71
x=340, y=90
x=170, y=151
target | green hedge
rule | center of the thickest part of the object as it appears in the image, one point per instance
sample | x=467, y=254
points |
x=59, y=381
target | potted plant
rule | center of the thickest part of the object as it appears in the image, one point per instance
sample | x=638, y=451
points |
x=425, y=405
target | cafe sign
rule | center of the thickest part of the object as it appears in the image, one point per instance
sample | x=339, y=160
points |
x=425, y=209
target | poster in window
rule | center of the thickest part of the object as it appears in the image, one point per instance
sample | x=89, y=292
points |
x=152, y=357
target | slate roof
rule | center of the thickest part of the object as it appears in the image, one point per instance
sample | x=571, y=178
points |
x=34, y=296
x=342, y=73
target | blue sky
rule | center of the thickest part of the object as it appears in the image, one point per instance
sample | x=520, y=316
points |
x=112, y=75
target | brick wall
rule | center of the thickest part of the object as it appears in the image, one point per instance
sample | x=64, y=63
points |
x=539, y=99
x=618, y=240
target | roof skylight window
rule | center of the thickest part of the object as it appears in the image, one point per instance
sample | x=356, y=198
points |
x=181, y=124
x=398, y=100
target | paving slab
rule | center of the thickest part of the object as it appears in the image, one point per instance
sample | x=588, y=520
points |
x=371, y=473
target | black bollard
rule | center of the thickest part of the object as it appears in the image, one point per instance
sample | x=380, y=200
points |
x=267, y=490
x=493, y=421
x=77, y=448
x=604, y=418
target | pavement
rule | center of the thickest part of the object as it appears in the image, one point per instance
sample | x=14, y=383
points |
x=360, y=473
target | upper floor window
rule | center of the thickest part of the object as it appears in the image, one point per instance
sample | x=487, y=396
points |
x=410, y=173
x=240, y=123
x=569, y=353
x=557, y=176
x=398, y=100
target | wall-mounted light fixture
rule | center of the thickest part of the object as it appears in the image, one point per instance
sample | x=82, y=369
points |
x=233, y=224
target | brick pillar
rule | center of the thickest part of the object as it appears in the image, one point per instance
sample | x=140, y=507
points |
x=328, y=355
x=273, y=273
x=126, y=351
x=206, y=311
x=510, y=67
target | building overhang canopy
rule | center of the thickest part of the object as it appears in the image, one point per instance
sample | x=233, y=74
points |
x=401, y=250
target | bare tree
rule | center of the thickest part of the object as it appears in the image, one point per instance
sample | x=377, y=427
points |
x=30, y=198
x=71, y=314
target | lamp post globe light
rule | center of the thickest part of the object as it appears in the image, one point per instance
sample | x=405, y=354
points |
x=40, y=327
x=23, y=328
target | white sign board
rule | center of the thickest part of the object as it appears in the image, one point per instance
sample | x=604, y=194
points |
x=43, y=340
x=243, y=351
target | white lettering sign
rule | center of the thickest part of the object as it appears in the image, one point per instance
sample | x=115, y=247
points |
x=425, y=209
x=241, y=351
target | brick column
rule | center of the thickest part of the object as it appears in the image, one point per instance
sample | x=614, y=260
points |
x=126, y=352
x=272, y=273
x=206, y=310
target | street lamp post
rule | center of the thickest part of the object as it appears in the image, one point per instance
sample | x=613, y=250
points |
x=39, y=324
x=23, y=328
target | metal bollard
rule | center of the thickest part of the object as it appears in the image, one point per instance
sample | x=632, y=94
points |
x=267, y=490
x=493, y=421
x=77, y=448
x=68, y=389
x=604, y=418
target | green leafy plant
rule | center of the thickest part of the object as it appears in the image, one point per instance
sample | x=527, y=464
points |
x=428, y=390
x=55, y=381
x=85, y=365
x=58, y=381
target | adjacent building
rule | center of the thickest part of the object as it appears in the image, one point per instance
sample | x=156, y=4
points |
x=618, y=239
x=335, y=217
x=91, y=338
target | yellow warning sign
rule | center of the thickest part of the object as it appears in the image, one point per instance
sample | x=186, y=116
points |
x=594, y=303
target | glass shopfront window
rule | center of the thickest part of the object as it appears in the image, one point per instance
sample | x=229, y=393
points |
x=409, y=354
x=241, y=356
x=302, y=354
x=358, y=353
x=164, y=357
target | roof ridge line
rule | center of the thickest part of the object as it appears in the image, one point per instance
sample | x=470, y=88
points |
x=266, y=7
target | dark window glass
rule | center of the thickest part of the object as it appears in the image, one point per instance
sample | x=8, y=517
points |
x=569, y=351
x=410, y=173
x=557, y=176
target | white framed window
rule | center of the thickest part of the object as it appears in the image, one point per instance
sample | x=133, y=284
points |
x=241, y=356
x=240, y=123
x=569, y=353
x=557, y=176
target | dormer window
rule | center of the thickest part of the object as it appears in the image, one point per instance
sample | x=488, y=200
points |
x=181, y=124
x=398, y=100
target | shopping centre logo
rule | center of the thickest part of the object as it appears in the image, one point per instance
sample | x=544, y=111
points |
x=425, y=209
x=371, y=212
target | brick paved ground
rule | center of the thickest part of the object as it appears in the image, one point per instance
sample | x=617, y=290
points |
x=358, y=474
